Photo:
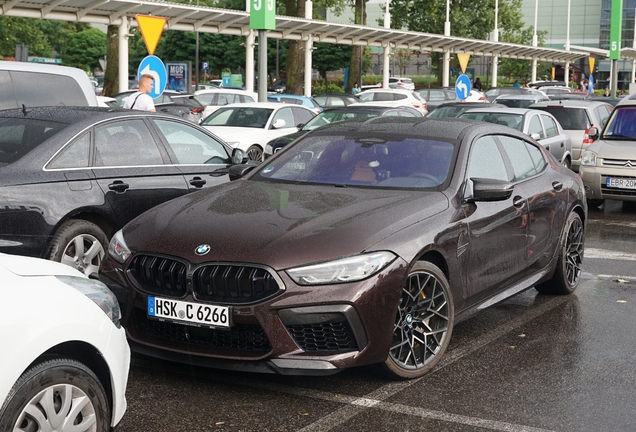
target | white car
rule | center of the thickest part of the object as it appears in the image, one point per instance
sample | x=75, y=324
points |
x=394, y=97
x=65, y=359
x=401, y=83
x=213, y=99
x=250, y=126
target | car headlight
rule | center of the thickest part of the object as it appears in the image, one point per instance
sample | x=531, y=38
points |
x=98, y=293
x=343, y=270
x=269, y=149
x=117, y=248
x=588, y=158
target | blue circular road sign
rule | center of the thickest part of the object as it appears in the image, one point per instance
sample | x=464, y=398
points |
x=154, y=66
x=462, y=87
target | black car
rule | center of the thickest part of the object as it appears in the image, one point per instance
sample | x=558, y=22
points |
x=455, y=109
x=330, y=115
x=363, y=242
x=71, y=177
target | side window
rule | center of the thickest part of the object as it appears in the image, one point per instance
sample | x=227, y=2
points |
x=537, y=157
x=603, y=114
x=286, y=114
x=42, y=89
x=401, y=96
x=302, y=116
x=383, y=97
x=190, y=145
x=551, y=128
x=334, y=101
x=535, y=127
x=75, y=155
x=391, y=113
x=7, y=96
x=125, y=143
x=517, y=151
x=486, y=160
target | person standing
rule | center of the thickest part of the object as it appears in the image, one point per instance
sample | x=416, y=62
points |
x=356, y=89
x=477, y=84
x=140, y=100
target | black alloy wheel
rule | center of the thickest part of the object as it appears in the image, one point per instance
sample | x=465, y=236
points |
x=568, y=268
x=423, y=323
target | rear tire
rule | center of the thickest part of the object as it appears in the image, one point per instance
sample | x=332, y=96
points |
x=79, y=244
x=57, y=394
x=568, y=268
x=423, y=323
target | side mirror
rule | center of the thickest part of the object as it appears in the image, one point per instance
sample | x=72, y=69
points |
x=593, y=133
x=279, y=123
x=535, y=136
x=489, y=190
x=238, y=171
x=238, y=156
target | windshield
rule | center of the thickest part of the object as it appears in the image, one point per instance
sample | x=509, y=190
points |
x=366, y=96
x=514, y=121
x=330, y=117
x=622, y=124
x=569, y=118
x=448, y=111
x=398, y=162
x=516, y=103
x=239, y=117
x=18, y=136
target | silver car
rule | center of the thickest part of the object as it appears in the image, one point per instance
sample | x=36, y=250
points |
x=541, y=126
x=576, y=117
x=608, y=166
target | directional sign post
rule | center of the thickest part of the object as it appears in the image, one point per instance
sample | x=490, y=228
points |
x=153, y=65
x=462, y=87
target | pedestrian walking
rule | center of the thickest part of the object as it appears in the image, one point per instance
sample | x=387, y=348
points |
x=140, y=100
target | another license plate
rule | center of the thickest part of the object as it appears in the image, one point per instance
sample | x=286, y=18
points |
x=198, y=314
x=621, y=183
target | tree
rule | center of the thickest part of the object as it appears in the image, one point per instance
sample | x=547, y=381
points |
x=111, y=74
x=327, y=57
x=85, y=49
x=15, y=31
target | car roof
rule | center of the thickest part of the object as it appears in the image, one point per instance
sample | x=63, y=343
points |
x=272, y=105
x=520, y=96
x=68, y=115
x=499, y=110
x=221, y=90
x=390, y=90
x=578, y=103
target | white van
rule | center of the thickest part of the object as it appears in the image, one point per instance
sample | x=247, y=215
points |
x=37, y=84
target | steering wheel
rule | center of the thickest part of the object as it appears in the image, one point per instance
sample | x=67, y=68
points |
x=425, y=176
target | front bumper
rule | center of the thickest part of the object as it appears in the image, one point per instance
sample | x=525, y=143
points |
x=315, y=330
x=595, y=178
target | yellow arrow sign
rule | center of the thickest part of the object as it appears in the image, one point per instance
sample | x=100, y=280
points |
x=463, y=61
x=151, y=28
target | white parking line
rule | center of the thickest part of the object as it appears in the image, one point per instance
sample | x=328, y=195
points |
x=593, y=253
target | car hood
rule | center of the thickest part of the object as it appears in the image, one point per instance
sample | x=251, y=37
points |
x=279, y=225
x=614, y=149
x=27, y=266
x=228, y=133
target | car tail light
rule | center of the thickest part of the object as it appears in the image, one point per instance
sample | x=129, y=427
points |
x=586, y=137
x=196, y=110
x=482, y=99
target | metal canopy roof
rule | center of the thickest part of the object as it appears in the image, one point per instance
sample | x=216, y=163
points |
x=186, y=17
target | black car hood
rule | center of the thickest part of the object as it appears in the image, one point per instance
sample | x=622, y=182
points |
x=279, y=225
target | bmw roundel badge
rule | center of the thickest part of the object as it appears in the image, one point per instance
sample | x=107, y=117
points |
x=202, y=249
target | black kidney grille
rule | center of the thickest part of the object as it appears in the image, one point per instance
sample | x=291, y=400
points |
x=334, y=336
x=233, y=284
x=159, y=275
x=241, y=337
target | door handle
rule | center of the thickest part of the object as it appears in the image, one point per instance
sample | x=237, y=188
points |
x=518, y=201
x=197, y=182
x=118, y=186
x=557, y=186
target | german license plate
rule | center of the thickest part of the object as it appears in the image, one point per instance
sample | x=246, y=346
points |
x=621, y=183
x=198, y=314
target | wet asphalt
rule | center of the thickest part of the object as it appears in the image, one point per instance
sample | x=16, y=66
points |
x=531, y=363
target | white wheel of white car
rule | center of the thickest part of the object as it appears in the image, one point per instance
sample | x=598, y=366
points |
x=60, y=395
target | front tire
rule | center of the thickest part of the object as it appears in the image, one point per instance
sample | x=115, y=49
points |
x=79, y=244
x=568, y=269
x=58, y=394
x=255, y=153
x=423, y=323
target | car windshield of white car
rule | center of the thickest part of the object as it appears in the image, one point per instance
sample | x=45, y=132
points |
x=239, y=117
x=378, y=161
x=622, y=125
x=18, y=136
